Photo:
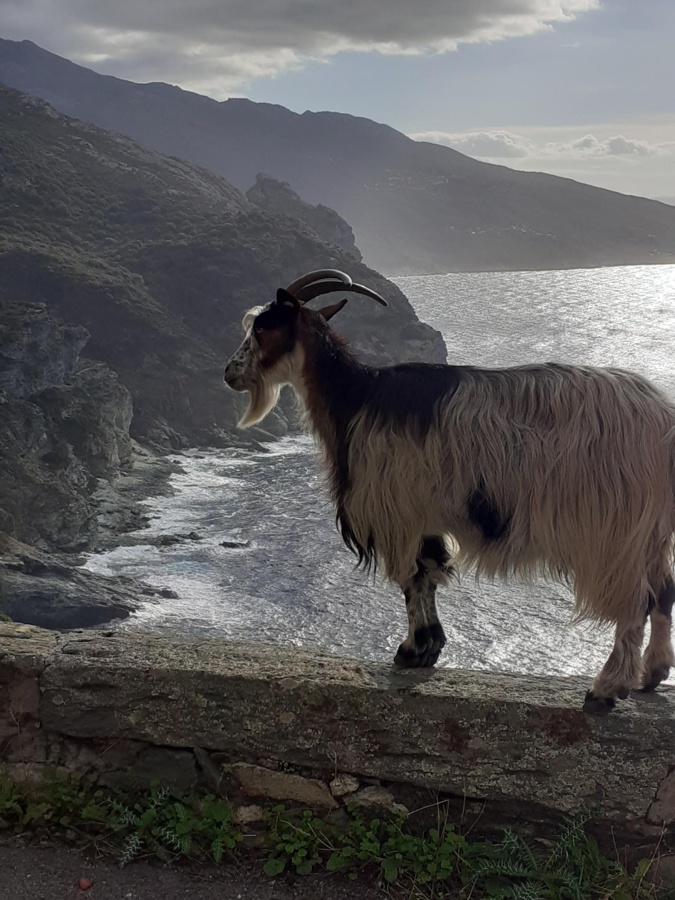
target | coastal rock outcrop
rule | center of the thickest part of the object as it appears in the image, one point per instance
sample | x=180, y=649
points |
x=64, y=424
x=279, y=198
x=46, y=590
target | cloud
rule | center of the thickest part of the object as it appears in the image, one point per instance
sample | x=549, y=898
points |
x=226, y=43
x=483, y=144
x=495, y=145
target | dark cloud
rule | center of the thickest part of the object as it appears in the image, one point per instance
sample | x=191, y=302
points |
x=230, y=42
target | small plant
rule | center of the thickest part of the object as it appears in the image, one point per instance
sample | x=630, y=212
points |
x=296, y=845
x=156, y=822
x=571, y=868
x=307, y=843
x=56, y=800
x=165, y=825
x=440, y=862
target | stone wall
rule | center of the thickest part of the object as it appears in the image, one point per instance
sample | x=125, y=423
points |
x=258, y=721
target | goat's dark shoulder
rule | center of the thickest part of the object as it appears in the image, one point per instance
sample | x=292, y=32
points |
x=402, y=394
x=410, y=391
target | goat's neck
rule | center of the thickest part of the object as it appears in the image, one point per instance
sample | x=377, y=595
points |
x=333, y=385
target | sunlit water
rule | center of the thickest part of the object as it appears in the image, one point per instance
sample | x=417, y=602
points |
x=290, y=580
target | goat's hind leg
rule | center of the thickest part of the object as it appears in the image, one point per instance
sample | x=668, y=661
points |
x=426, y=637
x=622, y=671
x=659, y=657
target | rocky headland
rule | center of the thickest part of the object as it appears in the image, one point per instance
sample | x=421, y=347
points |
x=279, y=198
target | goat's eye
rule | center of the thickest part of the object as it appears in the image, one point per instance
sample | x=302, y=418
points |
x=258, y=330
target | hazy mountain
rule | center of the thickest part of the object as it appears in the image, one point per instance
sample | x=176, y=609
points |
x=414, y=207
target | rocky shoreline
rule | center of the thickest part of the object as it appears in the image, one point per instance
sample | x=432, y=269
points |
x=119, y=502
x=53, y=590
x=72, y=479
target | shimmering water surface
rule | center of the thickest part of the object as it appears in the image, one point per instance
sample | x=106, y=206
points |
x=289, y=579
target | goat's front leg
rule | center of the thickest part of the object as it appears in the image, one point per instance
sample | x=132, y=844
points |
x=426, y=637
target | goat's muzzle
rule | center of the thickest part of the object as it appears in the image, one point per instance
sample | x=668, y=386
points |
x=234, y=379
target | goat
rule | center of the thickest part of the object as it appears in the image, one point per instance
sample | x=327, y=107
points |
x=549, y=469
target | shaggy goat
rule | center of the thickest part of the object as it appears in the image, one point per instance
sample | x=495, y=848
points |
x=566, y=471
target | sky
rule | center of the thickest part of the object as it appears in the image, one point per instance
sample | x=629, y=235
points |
x=581, y=88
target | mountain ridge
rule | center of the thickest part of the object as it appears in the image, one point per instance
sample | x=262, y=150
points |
x=415, y=207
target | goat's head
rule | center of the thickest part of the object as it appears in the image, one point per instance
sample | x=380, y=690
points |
x=271, y=354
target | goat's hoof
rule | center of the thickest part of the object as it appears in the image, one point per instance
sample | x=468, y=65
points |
x=654, y=678
x=598, y=706
x=429, y=641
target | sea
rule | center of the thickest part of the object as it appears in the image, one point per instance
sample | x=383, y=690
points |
x=265, y=561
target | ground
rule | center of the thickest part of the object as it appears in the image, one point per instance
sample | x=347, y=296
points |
x=30, y=871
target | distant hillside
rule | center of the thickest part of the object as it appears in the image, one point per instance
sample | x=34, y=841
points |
x=158, y=260
x=414, y=207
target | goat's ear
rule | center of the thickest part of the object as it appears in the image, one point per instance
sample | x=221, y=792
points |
x=286, y=299
x=329, y=311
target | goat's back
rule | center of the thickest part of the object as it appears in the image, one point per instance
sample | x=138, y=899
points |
x=571, y=467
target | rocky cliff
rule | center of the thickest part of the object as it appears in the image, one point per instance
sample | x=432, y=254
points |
x=66, y=458
x=279, y=198
x=64, y=448
x=64, y=424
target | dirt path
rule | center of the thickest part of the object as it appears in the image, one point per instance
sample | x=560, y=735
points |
x=33, y=872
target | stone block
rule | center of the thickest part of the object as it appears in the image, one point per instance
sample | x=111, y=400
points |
x=24, y=653
x=249, y=815
x=255, y=781
x=377, y=798
x=344, y=784
x=662, y=810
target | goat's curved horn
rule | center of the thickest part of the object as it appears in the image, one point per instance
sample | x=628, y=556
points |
x=310, y=291
x=316, y=276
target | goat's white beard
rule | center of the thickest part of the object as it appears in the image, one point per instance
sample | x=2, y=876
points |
x=268, y=383
x=263, y=398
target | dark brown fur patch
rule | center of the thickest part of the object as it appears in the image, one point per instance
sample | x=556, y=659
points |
x=274, y=343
